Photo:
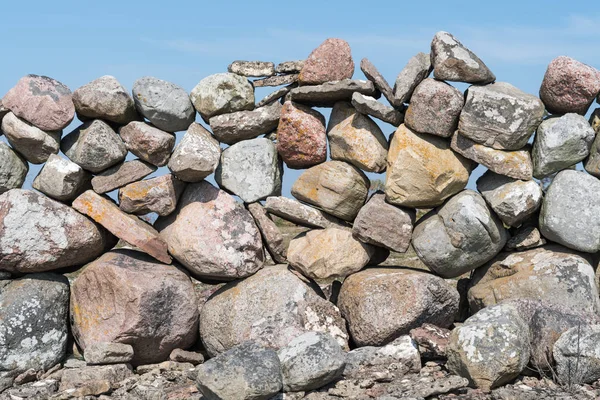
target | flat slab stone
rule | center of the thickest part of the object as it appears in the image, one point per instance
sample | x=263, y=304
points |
x=415, y=70
x=120, y=175
x=276, y=95
x=278, y=80
x=100, y=353
x=269, y=231
x=301, y=214
x=252, y=68
x=159, y=195
x=289, y=67
x=373, y=74
x=243, y=125
x=61, y=179
x=329, y=93
x=370, y=106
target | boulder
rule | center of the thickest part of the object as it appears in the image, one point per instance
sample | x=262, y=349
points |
x=94, y=146
x=61, y=179
x=491, y=348
x=434, y=108
x=166, y=105
x=33, y=143
x=460, y=236
x=108, y=353
x=255, y=69
x=127, y=297
x=336, y=187
x=39, y=234
x=416, y=69
x=368, y=105
x=42, y=101
x=422, y=170
x=561, y=142
x=310, y=361
x=251, y=170
x=105, y=98
x=120, y=175
x=301, y=137
x=221, y=94
x=272, y=307
x=246, y=372
x=243, y=125
x=13, y=169
x=382, y=304
x=382, y=224
x=270, y=233
x=159, y=195
x=452, y=61
x=577, y=355
x=329, y=93
x=196, y=156
x=378, y=80
x=301, y=214
x=331, y=61
x=147, y=142
x=355, y=138
x=212, y=235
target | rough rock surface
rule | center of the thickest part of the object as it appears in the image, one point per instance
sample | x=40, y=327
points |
x=422, y=170
x=331, y=61
x=196, y=156
x=368, y=105
x=378, y=80
x=78, y=377
x=40, y=234
x=525, y=238
x=120, y=175
x=432, y=341
x=212, y=235
x=277, y=80
x=272, y=237
x=289, y=67
x=243, y=125
x=381, y=304
x=592, y=163
x=33, y=143
x=127, y=297
x=255, y=69
x=159, y=195
x=460, y=236
x=577, y=355
x=108, y=353
x=301, y=214
x=329, y=93
x=13, y=168
x=276, y=95
x=221, y=94
x=61, y=179
x=184, y=356
x=147, y=142
x=416, y=69
x=105, y=98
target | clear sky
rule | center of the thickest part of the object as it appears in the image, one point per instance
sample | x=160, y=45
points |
x=184, y=41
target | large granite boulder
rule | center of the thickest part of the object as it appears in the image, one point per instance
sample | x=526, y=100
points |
x=331, y=61
x=196, y=156
x=105, y=98
x=13, y=169
x=221, y=94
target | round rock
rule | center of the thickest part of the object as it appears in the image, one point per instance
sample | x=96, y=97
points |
x=105, y=98
x=196, y=156
x=13, y=169
x=331, y=61
x=147, y=142
x=33, y=143
x=221, y=94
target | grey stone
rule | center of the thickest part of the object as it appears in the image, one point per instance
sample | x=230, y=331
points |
x=577, y=355
x=329, y=93
x=159, y=195
x=76, y=377
x=61, y=179
x=413, y=73
x=277, y=80
x=13, y=169
x=120, y=175
x=561, y=142
x=592, y=163
x=196, y=156
x=252, y=68
x=378, y=80
x=570, y=213
x=221, y=94
x=33, y=143
x=108, y=353
x=105, y=98
x=452, y=61
x=370, y=106
x=289, y=67
x=183, y=356
x=511, y=199
x=525, y=238
x=242, y=125
x=310, y=361
x=94, y=146
x=500, y=116
x=459, y=236
x=246, y=372
x=269, y=231
x=147, y=142
x=276, y=95
x=434, y=108
x=166, y=105
x=302, y=214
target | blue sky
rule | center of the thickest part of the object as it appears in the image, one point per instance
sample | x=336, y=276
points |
x=185, y=41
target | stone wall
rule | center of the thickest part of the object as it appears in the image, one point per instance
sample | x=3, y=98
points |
x=488, y=282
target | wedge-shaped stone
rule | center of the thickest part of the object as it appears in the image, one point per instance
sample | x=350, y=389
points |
x=269, y=231
x=147, y=142
x=373, y=74
x=120, y=175
x=196, y=156
x=331, y=61
x=413, y=73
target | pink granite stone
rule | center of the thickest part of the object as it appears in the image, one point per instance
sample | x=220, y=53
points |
x=331, y=61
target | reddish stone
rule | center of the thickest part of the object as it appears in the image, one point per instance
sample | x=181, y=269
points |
x=432, y=340
x=331, y=61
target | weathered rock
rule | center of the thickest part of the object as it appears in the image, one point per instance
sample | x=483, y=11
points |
x=325, y=254
x=270, y=233
x=246, y=372
x=552, y=274
x=515, y=164
x=432, y=341
x=120, y=175
x=336, y=187
x=422, y=170
x=289, y=67
x=331, y=61
x=243, y=125
x=166, y=105
x=525, y=238
x=277, y=80
x=79, y=377
x=452, y=61
x=159, y=195
x=33, y=143
x=301, y=137
x=33, y=323
x=329, y=93
x=41, y=101
x=61, y=179
x=39, y=234
x=221, y=94
x=147, y=142
x=212, y=235
x=276, y=95
x=381, y=304
x=105, y=98
x=569, y=86
x=383, y=224
x=3, y=110
x=124, y=226
x=94, y=146
x=570, y=213
x=271, y=307
x=13, y=169
x=511, y=199
x=369, y=106
x=500, y=116
x=413, y=73
x=196, y=156
x=577, y=355
x=127, y=297
x=310, y=361
x=460, y=236
x=592, y=163
x=378, y=80
x=183, y=356
x=108, y=353
x=355, y=138
x=252, y=68
x=301, y=214
x=491, y=348
x=434, y=108
x=561, y=142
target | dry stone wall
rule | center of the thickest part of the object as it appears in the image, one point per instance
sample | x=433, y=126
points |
x=507, y=277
